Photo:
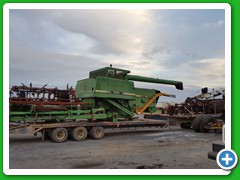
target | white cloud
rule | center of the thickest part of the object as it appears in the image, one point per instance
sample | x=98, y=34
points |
x=115, y=31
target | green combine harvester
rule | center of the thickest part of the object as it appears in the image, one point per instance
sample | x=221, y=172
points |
x=108, y=94
x=107, y=99
x=112, y=91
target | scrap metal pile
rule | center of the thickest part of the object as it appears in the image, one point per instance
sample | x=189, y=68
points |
x=29, y=93
x=206, y=103
x=29, y=98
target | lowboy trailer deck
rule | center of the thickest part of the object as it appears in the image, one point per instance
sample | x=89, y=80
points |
x=79, y=130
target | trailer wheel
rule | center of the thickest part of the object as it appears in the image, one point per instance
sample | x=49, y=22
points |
x=79, y=133
x=203, y=124
x=59, y=135
x=96, y=132
x=196, y=123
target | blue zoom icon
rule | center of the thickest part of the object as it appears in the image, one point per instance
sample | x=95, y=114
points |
x=227, y=159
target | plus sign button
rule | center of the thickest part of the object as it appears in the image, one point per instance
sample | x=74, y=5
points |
x=227, y=159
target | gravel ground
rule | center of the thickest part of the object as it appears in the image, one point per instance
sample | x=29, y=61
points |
x=119, y=149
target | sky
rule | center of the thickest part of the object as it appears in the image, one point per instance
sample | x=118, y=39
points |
x=60, y=47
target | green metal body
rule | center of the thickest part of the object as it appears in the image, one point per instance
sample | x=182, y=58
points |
x=178, y=85
x=113, y=89
x=108, y=93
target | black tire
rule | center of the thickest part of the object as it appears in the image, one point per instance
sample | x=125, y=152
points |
x=196, y=122
x=204, y=123
x=79, y=133
x=185, y=125
x=59, y=135
x=96, y=132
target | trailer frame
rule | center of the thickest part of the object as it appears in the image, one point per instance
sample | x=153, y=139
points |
x=79, y=130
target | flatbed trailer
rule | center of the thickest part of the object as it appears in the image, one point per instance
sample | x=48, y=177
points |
x=79, y=130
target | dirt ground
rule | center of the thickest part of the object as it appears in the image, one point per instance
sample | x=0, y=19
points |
x=146, y=148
